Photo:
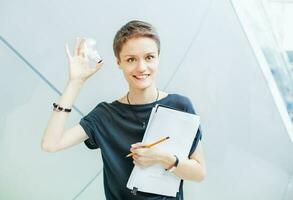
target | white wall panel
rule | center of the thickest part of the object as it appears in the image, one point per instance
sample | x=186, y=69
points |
x=248, y=149
x=26, y=171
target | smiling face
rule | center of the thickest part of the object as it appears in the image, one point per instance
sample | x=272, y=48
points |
x=139, y=59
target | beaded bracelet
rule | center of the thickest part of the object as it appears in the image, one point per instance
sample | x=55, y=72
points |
x=59, y=108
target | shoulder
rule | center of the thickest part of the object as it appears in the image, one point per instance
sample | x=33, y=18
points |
x=99, y=107
x=98, y=110
x=181, y=99
x=182, y=102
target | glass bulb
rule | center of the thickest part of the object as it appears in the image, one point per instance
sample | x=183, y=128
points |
x=90, y=50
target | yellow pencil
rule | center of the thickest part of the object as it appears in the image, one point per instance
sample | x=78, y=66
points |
x=151, y=144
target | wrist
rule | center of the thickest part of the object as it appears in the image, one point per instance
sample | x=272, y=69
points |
x=69, y=94
x=167, y=160
x=173, y=167
x=75, y=82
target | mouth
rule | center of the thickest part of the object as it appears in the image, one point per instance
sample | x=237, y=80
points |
x=141, y=77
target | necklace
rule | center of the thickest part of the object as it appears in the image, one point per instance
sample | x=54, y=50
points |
x=142, y=122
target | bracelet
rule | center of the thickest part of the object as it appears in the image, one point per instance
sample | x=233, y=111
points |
x=59, y=108
x=173, y=166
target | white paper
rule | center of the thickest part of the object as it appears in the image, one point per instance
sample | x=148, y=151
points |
x=181, y=127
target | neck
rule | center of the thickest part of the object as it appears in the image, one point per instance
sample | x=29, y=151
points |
x=142, y=96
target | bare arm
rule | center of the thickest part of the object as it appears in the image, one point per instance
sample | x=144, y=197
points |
x=53, y=135
x=189, y=169
x=54, y=138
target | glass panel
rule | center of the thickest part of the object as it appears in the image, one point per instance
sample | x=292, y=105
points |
x=255, y=20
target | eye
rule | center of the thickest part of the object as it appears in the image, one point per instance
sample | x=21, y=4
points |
x=150, y=57
x=130, y=59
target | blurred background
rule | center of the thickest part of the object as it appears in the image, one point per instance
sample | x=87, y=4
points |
x=232, y=58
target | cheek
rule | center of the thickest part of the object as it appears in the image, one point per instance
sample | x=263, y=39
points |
x=154, y=68
x=127, y=69
x=127, y=75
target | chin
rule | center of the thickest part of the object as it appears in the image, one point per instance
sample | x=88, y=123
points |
x=142, y=85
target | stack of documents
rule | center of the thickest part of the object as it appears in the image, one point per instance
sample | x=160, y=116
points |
x=181, y=127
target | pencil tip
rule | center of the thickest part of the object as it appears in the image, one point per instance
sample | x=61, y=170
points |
x=168, y=137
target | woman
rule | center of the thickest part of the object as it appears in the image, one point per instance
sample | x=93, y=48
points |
x=117, y=127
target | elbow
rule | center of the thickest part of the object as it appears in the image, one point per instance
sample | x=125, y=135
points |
x=199, y=176
x=202, y=176
x=48, y=148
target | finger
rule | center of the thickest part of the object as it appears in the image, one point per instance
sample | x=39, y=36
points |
x=137, y=145
x=83, y=55
x=81, y=47
x=77, y=43
x=136, y=149
x=137, y=163
x=68, y=52
x=135, y=156
x=133, y=150
x=139, y=152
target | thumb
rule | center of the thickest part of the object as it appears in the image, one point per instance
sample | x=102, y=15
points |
x=97, y=67
x=68, y=52
x=137, y=145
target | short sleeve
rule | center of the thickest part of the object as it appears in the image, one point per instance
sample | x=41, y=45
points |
x=90, y=124
x=195, y=141
x=190, y=109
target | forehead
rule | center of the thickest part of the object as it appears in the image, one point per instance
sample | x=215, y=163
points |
x=141, y=45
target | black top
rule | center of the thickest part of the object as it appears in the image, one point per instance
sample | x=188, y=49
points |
x=113, y=127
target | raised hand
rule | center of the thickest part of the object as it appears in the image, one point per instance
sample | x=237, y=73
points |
x=79, y=68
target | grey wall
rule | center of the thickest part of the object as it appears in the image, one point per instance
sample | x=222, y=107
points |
x=205, y=55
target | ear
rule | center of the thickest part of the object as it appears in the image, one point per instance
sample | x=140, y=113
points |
x=118, y=63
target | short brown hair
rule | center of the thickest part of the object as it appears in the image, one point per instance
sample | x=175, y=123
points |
x=134, y=29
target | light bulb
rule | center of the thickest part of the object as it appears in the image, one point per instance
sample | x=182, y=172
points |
x=90, y=50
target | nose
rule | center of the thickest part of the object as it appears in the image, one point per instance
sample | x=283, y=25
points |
x=142, y=66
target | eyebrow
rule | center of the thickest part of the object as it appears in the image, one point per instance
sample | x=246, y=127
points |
x=145, y=54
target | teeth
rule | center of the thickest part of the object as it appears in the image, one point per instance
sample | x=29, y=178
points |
x=142, y=76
